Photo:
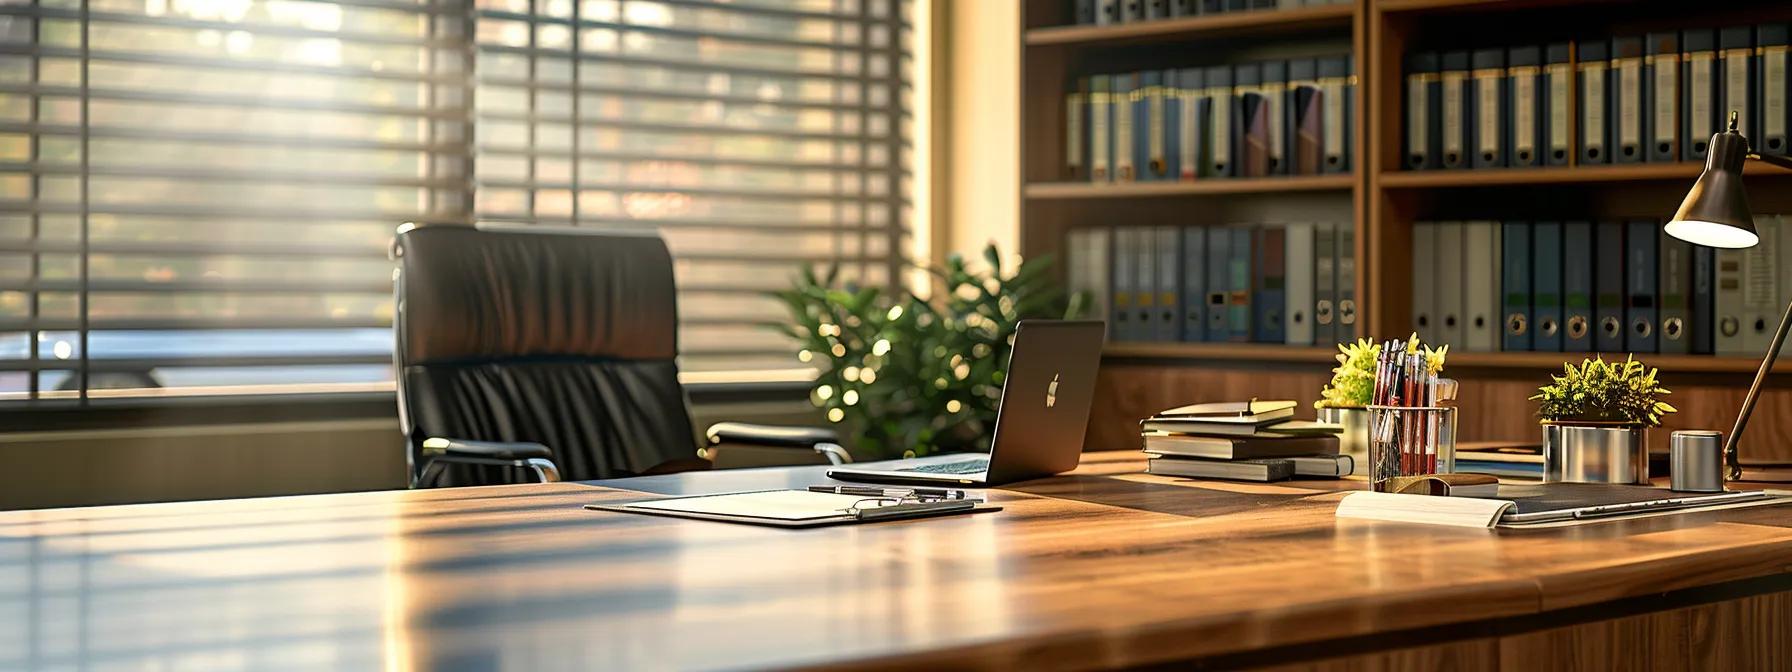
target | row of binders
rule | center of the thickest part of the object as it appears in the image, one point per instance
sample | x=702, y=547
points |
x=1631, y=99
x=1111, y=12
x=1596, y=286
x=1292, y=284
x=1251, y=120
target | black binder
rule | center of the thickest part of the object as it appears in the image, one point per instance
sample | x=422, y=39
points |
x=1424, y=103
x=1558, y=111
x=1699, y=102
x=1489, y=108
x=1594, y=103
x=1676, y=295
x=1608, y=287
x=1458, y=109
x=1547, y=274
x=1640, y=308
x=1338, y=99
x=1702, y=302
x=1661, y=89
x=1736, y=60
x=1525, y=89
x=1515, y=285
x=1630, y=102
x=1578, y=260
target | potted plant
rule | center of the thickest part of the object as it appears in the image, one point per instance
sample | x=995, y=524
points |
x=1344, y=399
x=1596, y=419
x=906, y=376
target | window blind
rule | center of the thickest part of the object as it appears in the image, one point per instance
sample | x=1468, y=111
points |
x=196, y=195
x=753, y=135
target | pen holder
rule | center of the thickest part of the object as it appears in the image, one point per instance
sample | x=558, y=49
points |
x=1410, y=441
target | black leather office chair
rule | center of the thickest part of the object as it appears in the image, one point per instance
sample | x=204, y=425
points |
x=536, y=354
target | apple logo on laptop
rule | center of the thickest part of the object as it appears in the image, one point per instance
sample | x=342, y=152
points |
x=1051, y=392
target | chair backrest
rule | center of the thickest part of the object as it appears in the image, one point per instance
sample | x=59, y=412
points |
x=562, y=337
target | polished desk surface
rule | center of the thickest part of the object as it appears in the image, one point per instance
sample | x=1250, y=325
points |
x=1104, y=566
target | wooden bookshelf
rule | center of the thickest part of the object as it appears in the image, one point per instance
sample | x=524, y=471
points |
x=1379, y=199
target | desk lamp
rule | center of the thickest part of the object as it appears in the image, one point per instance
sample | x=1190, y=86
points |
x=1715, y=214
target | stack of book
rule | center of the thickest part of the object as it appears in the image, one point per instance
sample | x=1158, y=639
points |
x=1242, y=441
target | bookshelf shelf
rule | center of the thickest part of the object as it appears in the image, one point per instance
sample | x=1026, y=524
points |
x=1640, y=172
x=1215, y=187
x=1670, y=365
x=1250, y=352
x=1264, y=22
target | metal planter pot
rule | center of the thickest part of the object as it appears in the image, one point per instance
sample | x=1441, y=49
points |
x=1354, y=441
x=1596, y=453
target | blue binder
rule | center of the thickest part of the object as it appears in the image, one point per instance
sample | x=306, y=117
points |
x=1219, y=283
x=1151, y=85
x=1640, y=308
x=1238, y=279
x=1194, y=283
x=1170, y=167
x=1702, y=302
x=1269, y=292
x=1609, y=287
x=1577, y=287
x=1547, y=264
x=1676, y=290
x=1515, y=286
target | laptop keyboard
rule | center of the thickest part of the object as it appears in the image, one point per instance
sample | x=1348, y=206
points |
x=964, y=467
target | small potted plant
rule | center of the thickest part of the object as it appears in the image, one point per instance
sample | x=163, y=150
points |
x=1344, y=400
x=1596, y=419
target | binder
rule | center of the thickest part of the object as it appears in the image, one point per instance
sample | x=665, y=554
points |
x=1166, y=321
x=1548, y=268
x=1456, y=109
x=1630, y=103
x=1098, y=249
x=1728, y=303
x=1194, y=283
x=1298, y=326
x=1269, y=288
x=1218, y=101
x=1515, y=285
x=1760, y=287
x=1157, y=9
x=1132, y=11
x=1076, y=129
x=1189, y=135
x=1491, y=111
x=1424, y=121
x=1736, y=59
x=1337, y=96
x=1661, y=84
x=1251, y=128
x=1325, y=284
x=1101, y=129
x=1424, y=281
x=1238, y=271
x=1107, y=12
x=1125, y=90
x=1577, y=287
x=1558, y=77
x=1275, y=118
x=1771, y=41
x=1306, y=117
x=1608, y=287
x=1346, y=264
x=1147, y=126
x=1699, y=101
x=1524, y=87
x=1450, y=323
x=1640, y=308
x=1124, y=275
x=1144, y=284
x=1219, y=283
x=1594, y=93
x=1169, y=128
x=1085, y=12
x=1676, y=295
x=1481, y=285
x=1701, y=303
x=1148, y=131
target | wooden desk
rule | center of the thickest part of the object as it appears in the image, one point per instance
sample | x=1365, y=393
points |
x=1100, y=568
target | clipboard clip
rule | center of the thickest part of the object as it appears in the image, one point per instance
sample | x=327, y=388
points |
x=889, y=508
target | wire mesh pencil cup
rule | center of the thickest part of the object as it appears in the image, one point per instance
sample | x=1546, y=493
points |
x=1410, y=441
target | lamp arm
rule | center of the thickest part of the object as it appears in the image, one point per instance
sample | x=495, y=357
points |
x=1732, y=462
x=1772, y=159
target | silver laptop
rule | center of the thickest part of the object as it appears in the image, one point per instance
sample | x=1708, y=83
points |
x=1040, y=420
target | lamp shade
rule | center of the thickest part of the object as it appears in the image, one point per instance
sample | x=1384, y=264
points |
x=1715, y=212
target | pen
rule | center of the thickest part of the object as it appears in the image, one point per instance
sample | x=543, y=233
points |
x=863, y=491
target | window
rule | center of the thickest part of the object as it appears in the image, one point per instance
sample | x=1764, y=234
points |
x=753, y=135
x=196, y=195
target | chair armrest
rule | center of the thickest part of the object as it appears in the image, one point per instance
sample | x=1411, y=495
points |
x=818, y=439
x=490, y=450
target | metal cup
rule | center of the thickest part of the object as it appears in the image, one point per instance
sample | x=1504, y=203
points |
x=1696, y=461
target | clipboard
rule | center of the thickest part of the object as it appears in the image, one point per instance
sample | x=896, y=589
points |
x=792, y=509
